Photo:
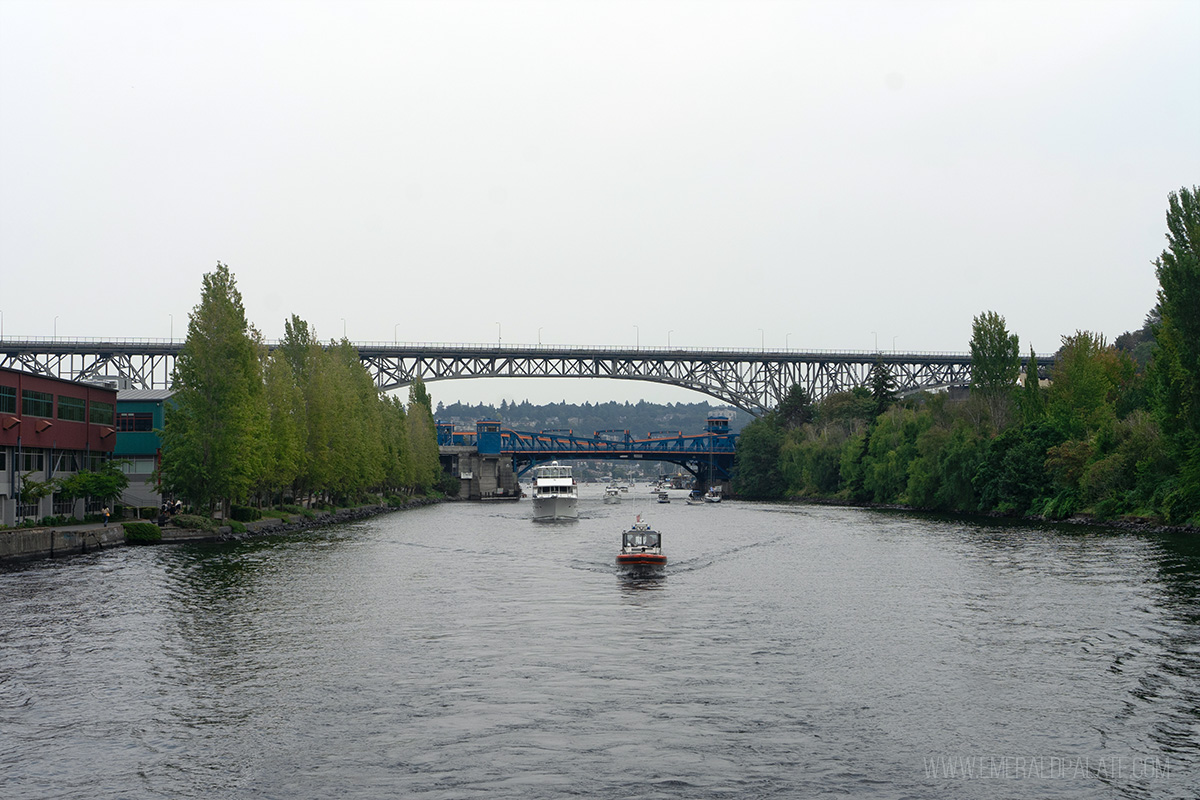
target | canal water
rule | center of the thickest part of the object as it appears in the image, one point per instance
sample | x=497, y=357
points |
x=464, y=651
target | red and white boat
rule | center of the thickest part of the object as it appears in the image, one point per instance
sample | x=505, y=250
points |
x=641, y=548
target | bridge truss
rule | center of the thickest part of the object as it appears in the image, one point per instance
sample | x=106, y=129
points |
x=752, y=380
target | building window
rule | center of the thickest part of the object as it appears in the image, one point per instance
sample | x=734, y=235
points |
x=37, y=404
x=3, y=461
x=130, y=422
x=73, y=409
x=101, y=413
x=139, y=465
x=8, y=400
x=31, y=461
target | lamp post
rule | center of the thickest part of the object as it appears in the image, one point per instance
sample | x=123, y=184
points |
x=55, y=326
x=876, y=335
x=786, y=336
x=498, y=339
x=893, y=345
x=637, y=338
x=343, y=327
x=172, y=318
x=539, y=336
x=669, y=337
x=763, y=336
x=395, y=336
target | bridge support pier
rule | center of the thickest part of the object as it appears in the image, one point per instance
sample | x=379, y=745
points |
x=481, y=476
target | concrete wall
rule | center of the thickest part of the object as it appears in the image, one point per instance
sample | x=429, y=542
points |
x=29, y=543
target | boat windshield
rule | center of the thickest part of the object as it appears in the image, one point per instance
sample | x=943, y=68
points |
x=641, y=539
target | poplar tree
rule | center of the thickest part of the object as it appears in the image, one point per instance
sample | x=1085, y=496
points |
x=995, y=364
x=215, y=426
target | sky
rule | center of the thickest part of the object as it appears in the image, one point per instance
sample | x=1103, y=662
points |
x=815, y=175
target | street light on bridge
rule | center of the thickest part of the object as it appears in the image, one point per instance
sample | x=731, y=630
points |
x=343, y=327
x=172, y=318
x=876, y=335
x=669, y=337
x=498, y=339
x=763, y=336
x=539, y=335
x=395, y=336
x=637, y=338
x=785, y=340
x=55, y=326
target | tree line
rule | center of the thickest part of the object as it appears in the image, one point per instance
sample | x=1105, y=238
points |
x=1114, y=432
x=302, y=421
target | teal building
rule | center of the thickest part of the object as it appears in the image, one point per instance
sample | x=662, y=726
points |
x=140, y=414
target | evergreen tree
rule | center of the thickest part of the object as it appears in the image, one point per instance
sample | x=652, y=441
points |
x=1175, y=368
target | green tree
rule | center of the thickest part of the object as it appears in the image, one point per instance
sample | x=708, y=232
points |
x=1175, y=368
x=215, y=427
x=795, y=409
x=1033, y=405
x=995, y=364
x=426, y=466
x=756, y=466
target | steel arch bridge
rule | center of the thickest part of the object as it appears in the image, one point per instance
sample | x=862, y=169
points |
x=752, y=380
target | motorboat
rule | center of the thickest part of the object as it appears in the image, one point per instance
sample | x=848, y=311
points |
x=664, y=497
x=713, y=495
x=612, y=494
x=695, y=498
x=555, y=493
x=641, y=548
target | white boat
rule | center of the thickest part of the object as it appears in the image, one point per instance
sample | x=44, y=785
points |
x=713, y=495
x=612, y=494
x=555, y=494
x=663, y=497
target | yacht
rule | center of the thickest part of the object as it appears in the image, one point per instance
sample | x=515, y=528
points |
x=555, y=493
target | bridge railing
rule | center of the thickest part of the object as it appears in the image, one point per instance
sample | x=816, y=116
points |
x=58, y=341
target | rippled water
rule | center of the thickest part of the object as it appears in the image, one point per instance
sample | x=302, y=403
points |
x=465, y=651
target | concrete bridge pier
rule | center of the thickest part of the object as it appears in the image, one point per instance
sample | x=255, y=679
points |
x=481, y=476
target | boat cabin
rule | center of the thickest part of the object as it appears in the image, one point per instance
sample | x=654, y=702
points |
x=641, y=540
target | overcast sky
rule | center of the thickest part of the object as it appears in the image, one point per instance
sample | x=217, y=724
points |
x=833, y=175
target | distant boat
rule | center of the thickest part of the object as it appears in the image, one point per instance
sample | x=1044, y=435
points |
x=713, y=495
x=555, y=494
x=612, y=494
x=664, y=497
x=641, y=548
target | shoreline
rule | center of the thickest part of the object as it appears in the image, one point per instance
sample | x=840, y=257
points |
x=1126, y=525
x=21, y=545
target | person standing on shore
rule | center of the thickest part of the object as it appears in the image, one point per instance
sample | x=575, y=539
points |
x=105, y=513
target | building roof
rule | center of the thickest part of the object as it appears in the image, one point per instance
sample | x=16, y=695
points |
x=143, y=395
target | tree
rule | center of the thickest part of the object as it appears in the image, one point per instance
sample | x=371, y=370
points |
x=214, y=430
x=1175, y=368
x=796, y=408
x=995, y=364
x=756, y=472
x=1033, y=406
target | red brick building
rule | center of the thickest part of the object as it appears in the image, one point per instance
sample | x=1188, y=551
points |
x=50, y=428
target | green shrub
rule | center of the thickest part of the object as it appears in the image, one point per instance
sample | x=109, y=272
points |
x=237, y=526
x=244, y=513
x=195, y=522
x=142, y=533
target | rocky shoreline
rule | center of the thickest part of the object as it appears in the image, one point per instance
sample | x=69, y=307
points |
x=274, y=526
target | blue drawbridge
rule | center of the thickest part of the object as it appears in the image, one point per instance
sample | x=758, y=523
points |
x=708, y=456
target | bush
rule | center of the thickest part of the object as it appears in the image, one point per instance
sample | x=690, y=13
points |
x=195, y=522
x=142, y=533
x=237, y=526
x=244, y=513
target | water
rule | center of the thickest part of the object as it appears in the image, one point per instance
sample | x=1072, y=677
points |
x=465, y=651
